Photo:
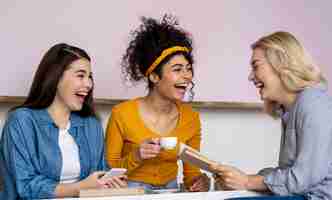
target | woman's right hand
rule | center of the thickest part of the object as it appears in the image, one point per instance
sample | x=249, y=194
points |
x=230, y=178
x=116, y=182
x=149, y=148
x=93, y=181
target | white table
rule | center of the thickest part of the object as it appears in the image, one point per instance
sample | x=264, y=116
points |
x=217, y=195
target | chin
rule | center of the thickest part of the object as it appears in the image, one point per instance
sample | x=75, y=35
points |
x=263, y=97
x=179, y=98
x=76, y=107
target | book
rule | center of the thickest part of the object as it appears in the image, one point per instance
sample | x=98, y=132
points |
x=194, y=157
x=104, y=192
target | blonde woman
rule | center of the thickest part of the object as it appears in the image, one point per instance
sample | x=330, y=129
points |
x=291, y=86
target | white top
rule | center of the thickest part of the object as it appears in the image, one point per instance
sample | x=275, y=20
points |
x=70, y=157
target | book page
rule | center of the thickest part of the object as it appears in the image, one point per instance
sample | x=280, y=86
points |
x=194, y=157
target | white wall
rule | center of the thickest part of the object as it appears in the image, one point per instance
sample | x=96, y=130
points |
x=247, y=139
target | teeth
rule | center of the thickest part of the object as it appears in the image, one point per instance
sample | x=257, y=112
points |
x=82, y=93
x=259, y=84
x=182, y=85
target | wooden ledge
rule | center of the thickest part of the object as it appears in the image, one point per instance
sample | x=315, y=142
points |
x=195, y=104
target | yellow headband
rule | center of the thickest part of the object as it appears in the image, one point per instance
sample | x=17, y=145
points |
x=163, y=55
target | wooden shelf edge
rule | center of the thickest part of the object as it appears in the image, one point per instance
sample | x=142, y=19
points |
x=195, y=104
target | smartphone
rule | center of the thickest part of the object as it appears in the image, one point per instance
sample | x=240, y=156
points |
x=114, y=172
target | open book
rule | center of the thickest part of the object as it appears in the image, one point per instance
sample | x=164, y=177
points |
x=194, y=157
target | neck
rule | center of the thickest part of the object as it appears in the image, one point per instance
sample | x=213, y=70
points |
x=288, y=99
x=59, y=113
x=158, y=104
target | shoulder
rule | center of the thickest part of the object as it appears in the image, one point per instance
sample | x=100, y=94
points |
x=314, y=98
x=125, y=110
x=91, y=124
x=21, y=112
x=125, y=106
x=21, y=115
x=188, y=113
x=186, y=108
x=314, y=101
x=89, y=120
x=20, y=122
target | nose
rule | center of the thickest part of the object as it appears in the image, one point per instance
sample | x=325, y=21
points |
x=188, y=74
x=251, y=76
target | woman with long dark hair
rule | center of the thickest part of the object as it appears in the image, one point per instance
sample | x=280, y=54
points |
x=52, y=144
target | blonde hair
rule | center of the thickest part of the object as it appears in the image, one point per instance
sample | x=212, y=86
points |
x=292, y=63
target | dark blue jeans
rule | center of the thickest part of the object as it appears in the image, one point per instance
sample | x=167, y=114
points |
x=272, y=197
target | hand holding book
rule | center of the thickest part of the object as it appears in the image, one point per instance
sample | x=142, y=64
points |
x=194, y=157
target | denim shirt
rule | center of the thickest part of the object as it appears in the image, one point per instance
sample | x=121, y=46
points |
x=31, y=159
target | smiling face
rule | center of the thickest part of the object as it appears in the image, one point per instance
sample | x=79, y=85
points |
x=176, y=78
x=74, y=85
x=265, y=78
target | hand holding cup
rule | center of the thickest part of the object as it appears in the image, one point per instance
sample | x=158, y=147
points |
x=149, y=148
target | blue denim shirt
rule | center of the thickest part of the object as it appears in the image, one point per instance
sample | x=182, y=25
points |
x=30, y=156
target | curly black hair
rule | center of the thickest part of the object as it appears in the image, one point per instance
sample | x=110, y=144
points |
x=148, y=42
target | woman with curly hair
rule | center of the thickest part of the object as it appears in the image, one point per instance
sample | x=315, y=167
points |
x=159, y=53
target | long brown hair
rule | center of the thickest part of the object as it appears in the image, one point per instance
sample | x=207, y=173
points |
x=49, y=72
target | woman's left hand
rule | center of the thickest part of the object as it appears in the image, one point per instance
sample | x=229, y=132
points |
x=230, y=178
x=115, y=181
x=200, y=183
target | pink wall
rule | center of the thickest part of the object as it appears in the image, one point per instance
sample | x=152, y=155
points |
x=222, y=31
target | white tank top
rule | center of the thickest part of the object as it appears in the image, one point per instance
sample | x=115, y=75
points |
x=71, y=168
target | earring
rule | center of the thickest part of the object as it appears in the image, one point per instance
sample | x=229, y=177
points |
x=154, y=78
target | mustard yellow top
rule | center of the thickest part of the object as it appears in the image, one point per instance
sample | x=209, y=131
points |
x=126, y=130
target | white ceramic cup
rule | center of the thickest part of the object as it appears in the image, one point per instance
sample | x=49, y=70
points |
x=168, y=142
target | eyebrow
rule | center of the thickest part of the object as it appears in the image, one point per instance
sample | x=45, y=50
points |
x=181, y=65
x=82, y=71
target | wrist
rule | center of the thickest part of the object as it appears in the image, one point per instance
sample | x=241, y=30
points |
x=254, y=182
x=248, y=184
x=80, y=185
x=76, y=187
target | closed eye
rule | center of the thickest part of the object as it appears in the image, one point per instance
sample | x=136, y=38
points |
x=81, y=75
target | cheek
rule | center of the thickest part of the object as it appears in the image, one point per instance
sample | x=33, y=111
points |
x=68, y=89
x=168, y=80
x=65, y=93
x=165, y=86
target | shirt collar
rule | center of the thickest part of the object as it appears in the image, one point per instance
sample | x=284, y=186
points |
x=44, y=117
